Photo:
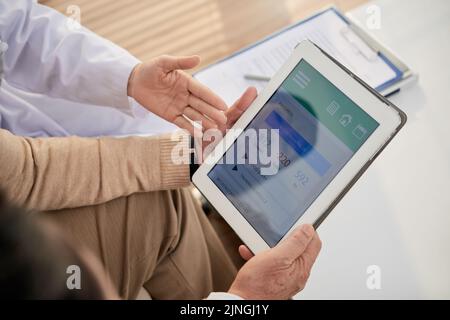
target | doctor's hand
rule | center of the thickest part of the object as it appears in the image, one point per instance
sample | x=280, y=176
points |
x=161, y=86
x=280, y=272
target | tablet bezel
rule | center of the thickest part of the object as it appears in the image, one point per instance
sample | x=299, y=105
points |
x=388, y=117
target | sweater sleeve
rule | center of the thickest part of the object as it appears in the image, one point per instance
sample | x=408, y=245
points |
x=58, y=173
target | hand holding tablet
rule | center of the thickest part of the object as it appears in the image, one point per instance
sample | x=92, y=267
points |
x=281, y=272
x=297, y=149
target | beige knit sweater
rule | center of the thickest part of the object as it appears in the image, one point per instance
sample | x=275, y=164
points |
x=58, y=173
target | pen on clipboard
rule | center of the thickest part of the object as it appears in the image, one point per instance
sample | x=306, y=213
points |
x=256, y=77
x=360, y=45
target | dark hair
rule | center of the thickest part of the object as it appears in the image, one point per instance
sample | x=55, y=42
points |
x=33, y=265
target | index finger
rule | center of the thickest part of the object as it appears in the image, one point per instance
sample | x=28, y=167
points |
x=206, y=94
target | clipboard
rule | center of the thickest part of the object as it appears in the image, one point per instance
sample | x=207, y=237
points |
x=406, y=76
x=216, y=78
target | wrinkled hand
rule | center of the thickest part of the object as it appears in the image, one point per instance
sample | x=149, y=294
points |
x=280, y=272
x=238, y=108
x=162, y=87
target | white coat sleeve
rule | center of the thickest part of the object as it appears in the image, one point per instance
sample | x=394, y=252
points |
x=45, y=55
x=223, y=296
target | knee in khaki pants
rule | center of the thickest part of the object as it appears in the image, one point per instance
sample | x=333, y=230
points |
x=160, y=240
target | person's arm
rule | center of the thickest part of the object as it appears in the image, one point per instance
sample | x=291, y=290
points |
x=56, y=173
x=68, y=172
x=46, y=56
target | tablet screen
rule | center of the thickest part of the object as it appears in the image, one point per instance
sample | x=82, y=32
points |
x=317, y=131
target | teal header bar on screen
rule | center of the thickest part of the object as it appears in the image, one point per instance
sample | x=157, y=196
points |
x=346, y=120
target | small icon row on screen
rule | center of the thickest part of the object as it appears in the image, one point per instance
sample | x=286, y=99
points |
x=359, y=132
x=346, y=119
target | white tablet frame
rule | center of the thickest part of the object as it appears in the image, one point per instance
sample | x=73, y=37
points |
x=388, y=117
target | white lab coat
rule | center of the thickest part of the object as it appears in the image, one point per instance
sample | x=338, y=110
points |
x=57, y=81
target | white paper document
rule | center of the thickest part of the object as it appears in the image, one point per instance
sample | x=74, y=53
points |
x=328, y=30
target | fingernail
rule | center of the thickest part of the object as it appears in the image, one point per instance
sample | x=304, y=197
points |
x=308, y=230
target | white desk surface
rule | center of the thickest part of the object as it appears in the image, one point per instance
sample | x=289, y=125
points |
x=398, y=215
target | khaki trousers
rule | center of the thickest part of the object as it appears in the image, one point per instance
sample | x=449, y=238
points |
x=161, y=241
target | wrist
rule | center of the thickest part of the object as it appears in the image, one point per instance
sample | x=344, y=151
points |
x=131, y=81
x=245, y=287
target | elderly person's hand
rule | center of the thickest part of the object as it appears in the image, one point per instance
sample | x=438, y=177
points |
x=280, y=272
x=161, y=86
x=237, y=109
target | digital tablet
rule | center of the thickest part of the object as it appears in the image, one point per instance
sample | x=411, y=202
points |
x=298, y=148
